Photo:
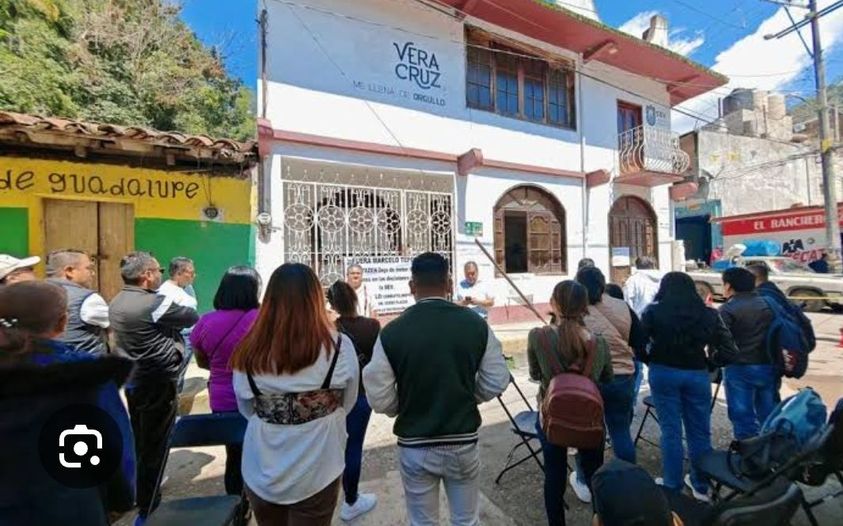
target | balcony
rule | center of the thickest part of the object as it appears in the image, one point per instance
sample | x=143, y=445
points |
x=649, y=156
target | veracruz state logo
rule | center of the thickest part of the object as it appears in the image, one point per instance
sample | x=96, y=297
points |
x=417, y=65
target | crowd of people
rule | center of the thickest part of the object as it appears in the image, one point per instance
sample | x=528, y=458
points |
x=306, y=367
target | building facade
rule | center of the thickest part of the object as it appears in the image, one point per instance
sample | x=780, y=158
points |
x=747, y=162
x=395, y=127
x=109, y=190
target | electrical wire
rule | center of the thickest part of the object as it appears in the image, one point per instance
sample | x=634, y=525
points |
x=699, y=117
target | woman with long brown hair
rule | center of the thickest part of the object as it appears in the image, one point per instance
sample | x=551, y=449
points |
x=295, y=379
x=568, y=343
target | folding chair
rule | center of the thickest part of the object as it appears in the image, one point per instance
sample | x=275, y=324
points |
x=216, y=429
x=523, y=425
x=717, y=466
x=773, y=506
x=716, y=378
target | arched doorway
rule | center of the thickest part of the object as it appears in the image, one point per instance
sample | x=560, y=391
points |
x=632, y=234
x=530, y=232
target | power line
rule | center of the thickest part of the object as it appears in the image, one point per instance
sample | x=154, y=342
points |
x=707, y=14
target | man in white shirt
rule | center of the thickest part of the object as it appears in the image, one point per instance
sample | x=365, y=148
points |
x=367, y=305
x=182, y=274
x=87, y=311
x=473, y=293
x=641, y=288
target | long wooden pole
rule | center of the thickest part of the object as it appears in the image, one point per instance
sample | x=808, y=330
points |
x=527, y=302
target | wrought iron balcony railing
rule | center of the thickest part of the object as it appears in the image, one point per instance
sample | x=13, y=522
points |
x=649, y=149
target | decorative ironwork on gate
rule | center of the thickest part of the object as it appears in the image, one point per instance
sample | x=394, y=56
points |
x=326, y=223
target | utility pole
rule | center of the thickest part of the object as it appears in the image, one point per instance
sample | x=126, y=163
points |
x=832, y=226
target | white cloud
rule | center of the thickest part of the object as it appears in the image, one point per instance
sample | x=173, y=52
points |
x=677, y=39
x=636, y=25
x=753, y=62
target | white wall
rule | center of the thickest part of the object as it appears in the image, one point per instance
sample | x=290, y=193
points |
x=332, y=72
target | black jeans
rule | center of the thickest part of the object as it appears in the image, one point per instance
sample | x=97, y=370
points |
x=556, y=475
x=233, y=478
x=152, y=409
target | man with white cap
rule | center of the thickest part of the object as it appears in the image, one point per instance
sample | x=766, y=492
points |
x=14, y=270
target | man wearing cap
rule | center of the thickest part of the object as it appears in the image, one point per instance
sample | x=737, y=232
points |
x=14, y=270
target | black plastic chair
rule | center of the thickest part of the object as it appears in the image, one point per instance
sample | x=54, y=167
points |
x=523, y=425
x=773, y=506
x=719, y=467
x=716, y=377
x=216, y=429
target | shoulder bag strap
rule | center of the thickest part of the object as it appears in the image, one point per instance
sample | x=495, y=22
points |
x=255, y=391
x=591, y=353
x=327, y=383
x=228, y=332
x=549, y=352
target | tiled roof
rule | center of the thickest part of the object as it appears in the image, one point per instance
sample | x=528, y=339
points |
x=62, y=134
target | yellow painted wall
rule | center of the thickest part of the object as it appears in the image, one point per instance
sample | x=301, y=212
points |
x=159, y=194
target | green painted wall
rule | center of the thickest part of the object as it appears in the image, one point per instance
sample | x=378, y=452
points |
x=213, y=247
x=14, y=231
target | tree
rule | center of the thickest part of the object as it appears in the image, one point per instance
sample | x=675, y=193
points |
x=130, y=62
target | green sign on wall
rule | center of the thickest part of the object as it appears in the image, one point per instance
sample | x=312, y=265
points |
x=474, y=228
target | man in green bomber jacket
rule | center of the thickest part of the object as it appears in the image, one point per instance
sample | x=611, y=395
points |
x=431, y=367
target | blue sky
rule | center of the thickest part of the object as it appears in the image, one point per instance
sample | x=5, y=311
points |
x=723, y=34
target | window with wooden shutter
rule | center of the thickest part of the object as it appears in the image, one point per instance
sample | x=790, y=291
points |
x=530, y=232
x=513, y=79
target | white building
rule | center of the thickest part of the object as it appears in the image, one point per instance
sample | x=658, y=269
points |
x=394, y=127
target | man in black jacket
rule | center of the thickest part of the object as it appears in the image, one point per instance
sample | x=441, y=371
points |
x=148, y=328
x=751, y=381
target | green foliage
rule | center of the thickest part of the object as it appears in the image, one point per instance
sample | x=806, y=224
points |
x=117, y=61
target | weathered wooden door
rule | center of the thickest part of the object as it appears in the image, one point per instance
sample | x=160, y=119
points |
x=632, y=234
x=116, y=239
x=103, y=230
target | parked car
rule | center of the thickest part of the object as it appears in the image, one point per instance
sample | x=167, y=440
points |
x=796, y=279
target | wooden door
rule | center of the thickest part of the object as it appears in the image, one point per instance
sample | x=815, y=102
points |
x=632, y=226
x=106, y=231
x=116, y=239
x=630, y=138
x=71, y=225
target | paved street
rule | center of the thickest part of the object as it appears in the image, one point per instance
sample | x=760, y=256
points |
x=518, y=499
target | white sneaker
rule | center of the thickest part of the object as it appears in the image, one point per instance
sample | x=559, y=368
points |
x=365, y=503
x=702, y=497
x=580, y=489
x=659, y=481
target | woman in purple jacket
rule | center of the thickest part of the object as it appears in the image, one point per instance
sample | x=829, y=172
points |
x=214, y=339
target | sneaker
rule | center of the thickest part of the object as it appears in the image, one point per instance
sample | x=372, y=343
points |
x=659, y=481
x=702, y=497
x=364, y=504
x=580, y=489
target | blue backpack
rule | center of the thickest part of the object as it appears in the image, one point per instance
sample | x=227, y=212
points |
x=784, y=435
x=787, y=343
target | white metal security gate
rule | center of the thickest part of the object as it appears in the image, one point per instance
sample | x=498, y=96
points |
x=326, y=223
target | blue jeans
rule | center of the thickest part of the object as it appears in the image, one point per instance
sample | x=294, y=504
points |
x=752, y=391
x=639, y=378
x=355, y=423
x=556, y=475
x=682, y=398
x=618, y=403
x=457, y=467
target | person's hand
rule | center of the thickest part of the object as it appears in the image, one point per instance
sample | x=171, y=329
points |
x=469, y=301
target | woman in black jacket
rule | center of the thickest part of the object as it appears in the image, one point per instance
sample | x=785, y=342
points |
x=680, y=329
